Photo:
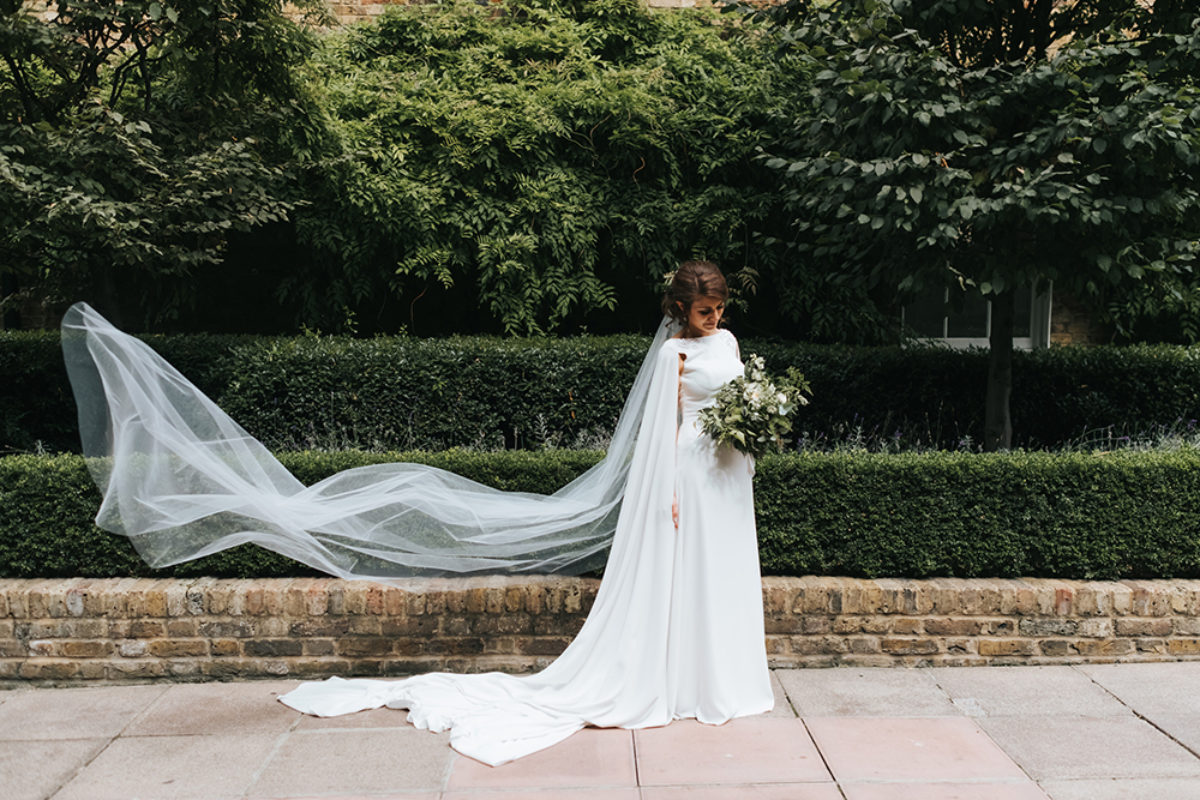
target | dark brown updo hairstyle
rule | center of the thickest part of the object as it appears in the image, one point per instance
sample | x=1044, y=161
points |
x=693, y=280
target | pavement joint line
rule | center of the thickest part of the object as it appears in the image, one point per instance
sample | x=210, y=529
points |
x=787, y=696
x=107, y=744
x=82, y=767
x=280, y=740
x=1138, y=714
x=637, y=765
x=975, y=721
x=817, y=747
x=811, y=738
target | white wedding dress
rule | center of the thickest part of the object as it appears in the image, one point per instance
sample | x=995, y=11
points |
x=677, y=627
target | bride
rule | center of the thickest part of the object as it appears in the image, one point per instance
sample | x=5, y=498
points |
x=676, y=630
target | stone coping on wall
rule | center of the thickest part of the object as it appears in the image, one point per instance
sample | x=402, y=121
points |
x=78, y=630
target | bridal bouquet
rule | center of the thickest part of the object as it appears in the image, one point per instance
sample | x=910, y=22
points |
x=751, y=412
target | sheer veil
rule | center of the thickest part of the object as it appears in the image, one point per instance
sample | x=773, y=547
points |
x=182, y=480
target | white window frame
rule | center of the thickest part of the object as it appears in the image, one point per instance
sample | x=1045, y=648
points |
x=1039, y=325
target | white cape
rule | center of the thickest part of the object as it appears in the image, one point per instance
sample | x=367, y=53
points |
x=677, y=626
x=676, y=629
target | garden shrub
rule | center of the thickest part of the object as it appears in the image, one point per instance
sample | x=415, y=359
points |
x=1067, y=515
x=932, y=397
x=489, y=393
x=37, y=409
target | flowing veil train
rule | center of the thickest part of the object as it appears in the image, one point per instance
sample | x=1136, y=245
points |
x=182, y=480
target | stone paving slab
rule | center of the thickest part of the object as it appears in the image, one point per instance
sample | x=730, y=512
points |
x=172, y=768
x=207, y=708
x=783, y=706
x=742, y=751
x=369, y=761
x=1169, y=688
x=872, y=692
x=1050, y=748
x=949, y=790
x=591, y=759
x=628, y=793
x=981, y=733
x=861, y=749
x=1023, y=691
x=101, y=712
x=1183, y=728
x=756, y=791
x=35, y=769
x=1129, y=789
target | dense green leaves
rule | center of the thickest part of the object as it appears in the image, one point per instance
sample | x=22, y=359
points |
x=945, y=514
x=128, y=148
x=990, y=160
x=911, y=170
x=538, y=158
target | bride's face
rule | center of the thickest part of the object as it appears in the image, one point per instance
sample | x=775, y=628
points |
x=704, y=315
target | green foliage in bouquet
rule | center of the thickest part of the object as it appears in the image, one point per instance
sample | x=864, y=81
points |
x=752, y=411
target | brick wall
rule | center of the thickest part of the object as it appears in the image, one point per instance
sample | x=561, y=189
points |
x=201, y=629
x=1072, y=323
x=350, y=11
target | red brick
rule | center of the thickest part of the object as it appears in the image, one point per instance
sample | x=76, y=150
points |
x=86, y=649
x=225, y=647
x=1103, y=647
x=909, y=646
x=48, y=669
x=953, y=627
x=367, y=646
x=1144, y=627
x=1005, y=647
x=176, y=648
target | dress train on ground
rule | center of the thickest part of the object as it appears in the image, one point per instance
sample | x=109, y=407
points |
x=677, y=627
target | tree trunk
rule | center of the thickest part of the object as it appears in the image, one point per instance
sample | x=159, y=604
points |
x=997, y=421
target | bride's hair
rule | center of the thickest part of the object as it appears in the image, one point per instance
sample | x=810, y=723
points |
x=693, y=280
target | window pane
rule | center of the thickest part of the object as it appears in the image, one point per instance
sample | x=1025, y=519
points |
x=1022, y=311
x=924, y=315
x=968, y=316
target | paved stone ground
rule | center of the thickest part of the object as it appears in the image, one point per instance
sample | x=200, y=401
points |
x=1104, y=732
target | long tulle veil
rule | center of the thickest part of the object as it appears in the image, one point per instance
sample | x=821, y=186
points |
x=182, y=480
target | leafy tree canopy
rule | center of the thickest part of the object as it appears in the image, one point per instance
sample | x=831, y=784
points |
x=536, y=160
x=127, y=139
x=917, y=163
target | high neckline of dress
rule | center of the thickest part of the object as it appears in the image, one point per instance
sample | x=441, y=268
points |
x=712, y=335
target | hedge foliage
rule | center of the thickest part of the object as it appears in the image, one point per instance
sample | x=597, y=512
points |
x=1084, y=516
x=489, y=393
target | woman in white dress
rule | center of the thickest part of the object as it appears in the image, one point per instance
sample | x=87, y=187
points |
x=677, y=627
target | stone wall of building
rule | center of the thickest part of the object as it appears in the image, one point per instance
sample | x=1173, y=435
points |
x=350, y=11
x=75, y=630
x=1071, y=322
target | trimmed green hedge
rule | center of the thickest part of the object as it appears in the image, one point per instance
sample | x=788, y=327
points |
x=487, y=393
x=37, y=409
x=1121, y=515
